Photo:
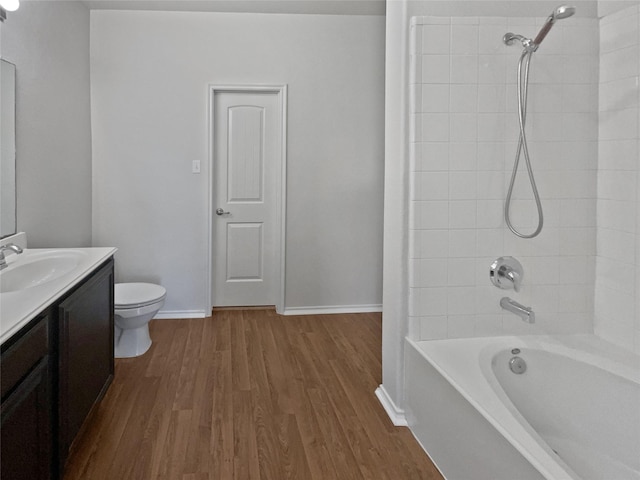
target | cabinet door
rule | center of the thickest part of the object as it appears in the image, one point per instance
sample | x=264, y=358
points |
x=25, y=430
x=86, y=353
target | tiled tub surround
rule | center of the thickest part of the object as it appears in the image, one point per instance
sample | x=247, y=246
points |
x=617, y=299
x=463, y=136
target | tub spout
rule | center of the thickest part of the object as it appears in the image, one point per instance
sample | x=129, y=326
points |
x=525, y=313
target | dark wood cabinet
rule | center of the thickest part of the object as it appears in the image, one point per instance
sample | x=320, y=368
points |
x=26, y=427
x=54, y=371
x=85, y=361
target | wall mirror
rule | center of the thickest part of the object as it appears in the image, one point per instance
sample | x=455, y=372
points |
x=7, y=149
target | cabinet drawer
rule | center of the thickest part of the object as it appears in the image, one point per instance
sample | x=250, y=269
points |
x=21, y=357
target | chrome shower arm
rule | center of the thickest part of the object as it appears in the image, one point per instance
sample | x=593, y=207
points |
x=529, y=45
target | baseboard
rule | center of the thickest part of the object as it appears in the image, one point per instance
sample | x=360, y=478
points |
x=179, y=314
x=328, y=310
x=232, y=309
x=395, y=414
x=182, y=314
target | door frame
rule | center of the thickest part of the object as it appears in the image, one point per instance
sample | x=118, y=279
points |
x=280, y=188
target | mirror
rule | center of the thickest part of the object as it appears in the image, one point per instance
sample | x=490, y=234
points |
x=7, y=149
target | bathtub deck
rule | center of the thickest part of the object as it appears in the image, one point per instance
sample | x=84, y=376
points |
x=463, y=368
x=250, y=395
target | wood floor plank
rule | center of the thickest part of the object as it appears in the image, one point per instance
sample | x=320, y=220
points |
x=159, y=352
x=172, y=461
x=139, y=432
x=250, y=395
x=189, y=367
x=315, y=447
x=341, y=454
x=222, y=328
x=277, y=373
x=294, y=461
x=222, y=413
x=162, y=407
x=245, y=449
x=240, y=364
x=197, y=451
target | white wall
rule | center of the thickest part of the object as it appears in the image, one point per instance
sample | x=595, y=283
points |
x=396, y=223
x=617, y=299
x=49, y=44
x=150, y=72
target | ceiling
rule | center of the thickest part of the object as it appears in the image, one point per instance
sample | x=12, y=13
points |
x=319, y=7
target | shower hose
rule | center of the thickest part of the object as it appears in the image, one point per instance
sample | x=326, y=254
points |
x=523, y=87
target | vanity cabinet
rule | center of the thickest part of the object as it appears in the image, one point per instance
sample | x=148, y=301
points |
x=26, y=429
x=54, y=371
x=85, y=360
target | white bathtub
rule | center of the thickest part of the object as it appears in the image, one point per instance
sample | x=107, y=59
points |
x=573, y=414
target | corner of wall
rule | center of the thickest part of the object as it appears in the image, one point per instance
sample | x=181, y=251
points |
x=394, y=291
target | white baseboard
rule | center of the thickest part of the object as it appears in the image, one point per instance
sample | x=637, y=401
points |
x=183, y=314
x=332, y=309
x=179, y=314
x=395, y=414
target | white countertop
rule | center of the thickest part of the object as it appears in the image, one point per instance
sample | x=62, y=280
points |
x=19, y=307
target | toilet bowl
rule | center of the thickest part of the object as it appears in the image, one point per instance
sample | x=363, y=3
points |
x=135, y=305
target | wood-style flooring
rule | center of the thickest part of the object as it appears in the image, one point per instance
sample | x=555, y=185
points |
x=249, y=394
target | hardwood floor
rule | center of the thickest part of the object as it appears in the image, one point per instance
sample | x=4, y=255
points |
x=250, y=395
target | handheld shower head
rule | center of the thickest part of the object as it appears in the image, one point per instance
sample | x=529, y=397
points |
x=563, y=11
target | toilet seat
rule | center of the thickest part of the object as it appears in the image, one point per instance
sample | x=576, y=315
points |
x=137, y=295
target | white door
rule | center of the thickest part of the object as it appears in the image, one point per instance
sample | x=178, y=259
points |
x=247, y=149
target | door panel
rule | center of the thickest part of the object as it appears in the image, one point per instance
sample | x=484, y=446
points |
x=245, y=248
x=245, y=157
x=247, y=149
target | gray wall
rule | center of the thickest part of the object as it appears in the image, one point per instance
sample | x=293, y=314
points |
x=149, y=84
x=49, y=44
x=150, y=75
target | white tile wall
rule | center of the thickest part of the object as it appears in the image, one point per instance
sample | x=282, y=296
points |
x=464, y=134
x=617, y=281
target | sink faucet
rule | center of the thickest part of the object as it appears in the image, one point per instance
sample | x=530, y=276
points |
x=9, y=246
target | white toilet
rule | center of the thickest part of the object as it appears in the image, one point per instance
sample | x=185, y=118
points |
x=135, y=305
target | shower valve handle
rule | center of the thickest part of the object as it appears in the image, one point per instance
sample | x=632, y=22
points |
x=506, y=273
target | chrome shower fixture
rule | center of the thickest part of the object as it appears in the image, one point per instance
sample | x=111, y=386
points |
x=563, y=11
x=530, y=46
x=527, y=43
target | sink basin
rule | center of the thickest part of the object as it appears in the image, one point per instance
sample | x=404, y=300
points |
x=30, y=270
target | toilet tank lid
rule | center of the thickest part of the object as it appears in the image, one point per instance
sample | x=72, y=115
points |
x=137, y=293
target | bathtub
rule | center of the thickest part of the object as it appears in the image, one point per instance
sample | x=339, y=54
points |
x=573, y=414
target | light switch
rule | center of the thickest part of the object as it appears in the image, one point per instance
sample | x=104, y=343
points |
x=195, y=166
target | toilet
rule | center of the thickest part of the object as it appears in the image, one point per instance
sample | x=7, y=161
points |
x=135, y=305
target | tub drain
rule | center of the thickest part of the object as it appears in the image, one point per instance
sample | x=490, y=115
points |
x=517, y=365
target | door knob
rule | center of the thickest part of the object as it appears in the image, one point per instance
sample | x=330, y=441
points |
x=220, y=211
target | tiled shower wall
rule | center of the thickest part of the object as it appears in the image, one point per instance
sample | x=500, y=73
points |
x=617, y=299
x=463, y=141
